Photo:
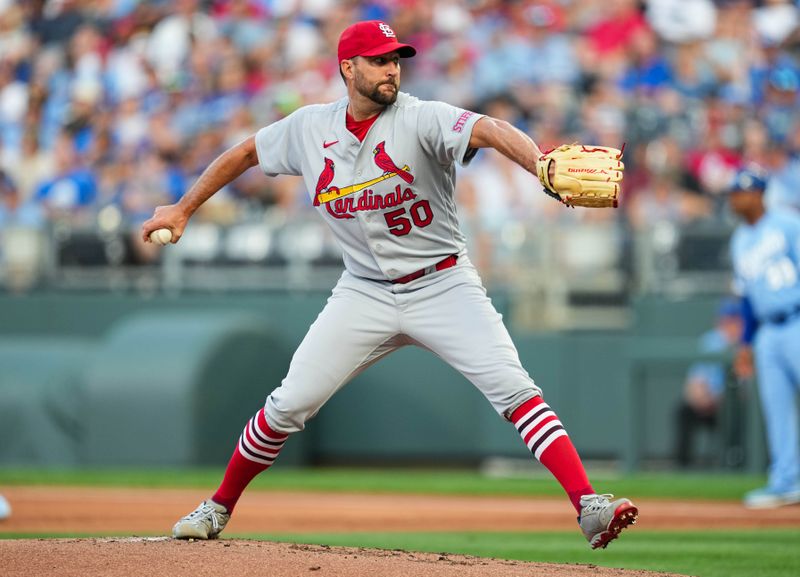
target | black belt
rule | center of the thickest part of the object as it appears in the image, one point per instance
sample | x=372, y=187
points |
x=782, y=318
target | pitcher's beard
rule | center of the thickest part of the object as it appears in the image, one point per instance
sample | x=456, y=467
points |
x=376, y=95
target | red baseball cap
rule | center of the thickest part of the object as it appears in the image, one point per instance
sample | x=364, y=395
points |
x=371, y=38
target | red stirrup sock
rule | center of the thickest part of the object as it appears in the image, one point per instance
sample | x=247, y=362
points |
x=546, y=438
x=258, y=448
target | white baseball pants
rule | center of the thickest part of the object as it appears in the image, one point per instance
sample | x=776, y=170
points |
x=446, y=312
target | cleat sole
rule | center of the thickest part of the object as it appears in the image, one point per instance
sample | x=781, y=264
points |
x=625, y=515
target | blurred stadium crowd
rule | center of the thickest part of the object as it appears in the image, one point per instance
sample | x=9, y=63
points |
x=111, y=107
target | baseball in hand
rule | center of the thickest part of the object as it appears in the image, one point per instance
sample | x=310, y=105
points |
x=162, y=236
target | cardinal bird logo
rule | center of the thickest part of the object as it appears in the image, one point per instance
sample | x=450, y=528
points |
x=341, y=202
x=325, y=178
x=385, y=163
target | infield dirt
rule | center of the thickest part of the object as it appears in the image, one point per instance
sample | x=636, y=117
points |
x=136, y=513
x=162, y=557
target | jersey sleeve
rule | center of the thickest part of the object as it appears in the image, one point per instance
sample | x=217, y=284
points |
x=737, y=282
x=749, y=322
x=278, y=146
x=445, y=131
x=793, y=230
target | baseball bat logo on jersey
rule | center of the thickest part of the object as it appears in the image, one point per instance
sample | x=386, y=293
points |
x=339, y=202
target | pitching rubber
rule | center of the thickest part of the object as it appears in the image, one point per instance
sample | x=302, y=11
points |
x=625, y=515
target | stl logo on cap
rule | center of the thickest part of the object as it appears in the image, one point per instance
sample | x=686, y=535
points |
x=387, y=31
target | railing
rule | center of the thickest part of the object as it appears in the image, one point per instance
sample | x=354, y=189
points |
x=557, y=276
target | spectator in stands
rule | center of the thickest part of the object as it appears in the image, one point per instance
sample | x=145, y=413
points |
x=657, y=191
x=783, y=188
x=713, y=161
x=32, y=166
x=14, y=210
x=71, y=192
x=779, y=109
x=650, y=69
x=727, y=50
x=705, y=382
x=176, y=37
x=13, y=107
x=22, y=240
x=55, y=22
x=155, y=179
x=614, y=33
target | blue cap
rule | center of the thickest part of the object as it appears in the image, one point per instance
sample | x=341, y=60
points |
x=748, y=179
x=730, y=307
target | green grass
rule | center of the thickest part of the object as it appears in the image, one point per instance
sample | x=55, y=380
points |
x=444, y=482
x=753, y=553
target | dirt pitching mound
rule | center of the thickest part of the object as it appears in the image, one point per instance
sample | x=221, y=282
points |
x=164, y=557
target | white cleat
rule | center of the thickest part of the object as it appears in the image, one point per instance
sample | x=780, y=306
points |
x=5, y=509
x=602, y=520
x=205, y=522
x=768, y=498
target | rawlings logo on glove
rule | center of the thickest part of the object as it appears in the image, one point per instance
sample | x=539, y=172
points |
x=582, y=175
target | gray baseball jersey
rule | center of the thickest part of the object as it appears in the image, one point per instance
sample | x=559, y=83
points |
x=389, y=201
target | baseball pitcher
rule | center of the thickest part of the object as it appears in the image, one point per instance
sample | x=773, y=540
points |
x=379, y=166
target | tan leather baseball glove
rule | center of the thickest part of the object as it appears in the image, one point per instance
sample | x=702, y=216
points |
x=583, y=175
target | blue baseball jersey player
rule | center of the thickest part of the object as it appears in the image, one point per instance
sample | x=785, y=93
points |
x=765, y=250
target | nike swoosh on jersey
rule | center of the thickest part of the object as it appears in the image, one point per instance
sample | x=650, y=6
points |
x=327, y=144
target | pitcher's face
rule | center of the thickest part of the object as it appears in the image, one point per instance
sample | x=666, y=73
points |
x=377, y=77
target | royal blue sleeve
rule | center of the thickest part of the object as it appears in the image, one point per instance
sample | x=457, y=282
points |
x=749, y=322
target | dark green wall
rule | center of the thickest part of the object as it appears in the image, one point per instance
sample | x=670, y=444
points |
x=93, y=314
x=184, y=398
